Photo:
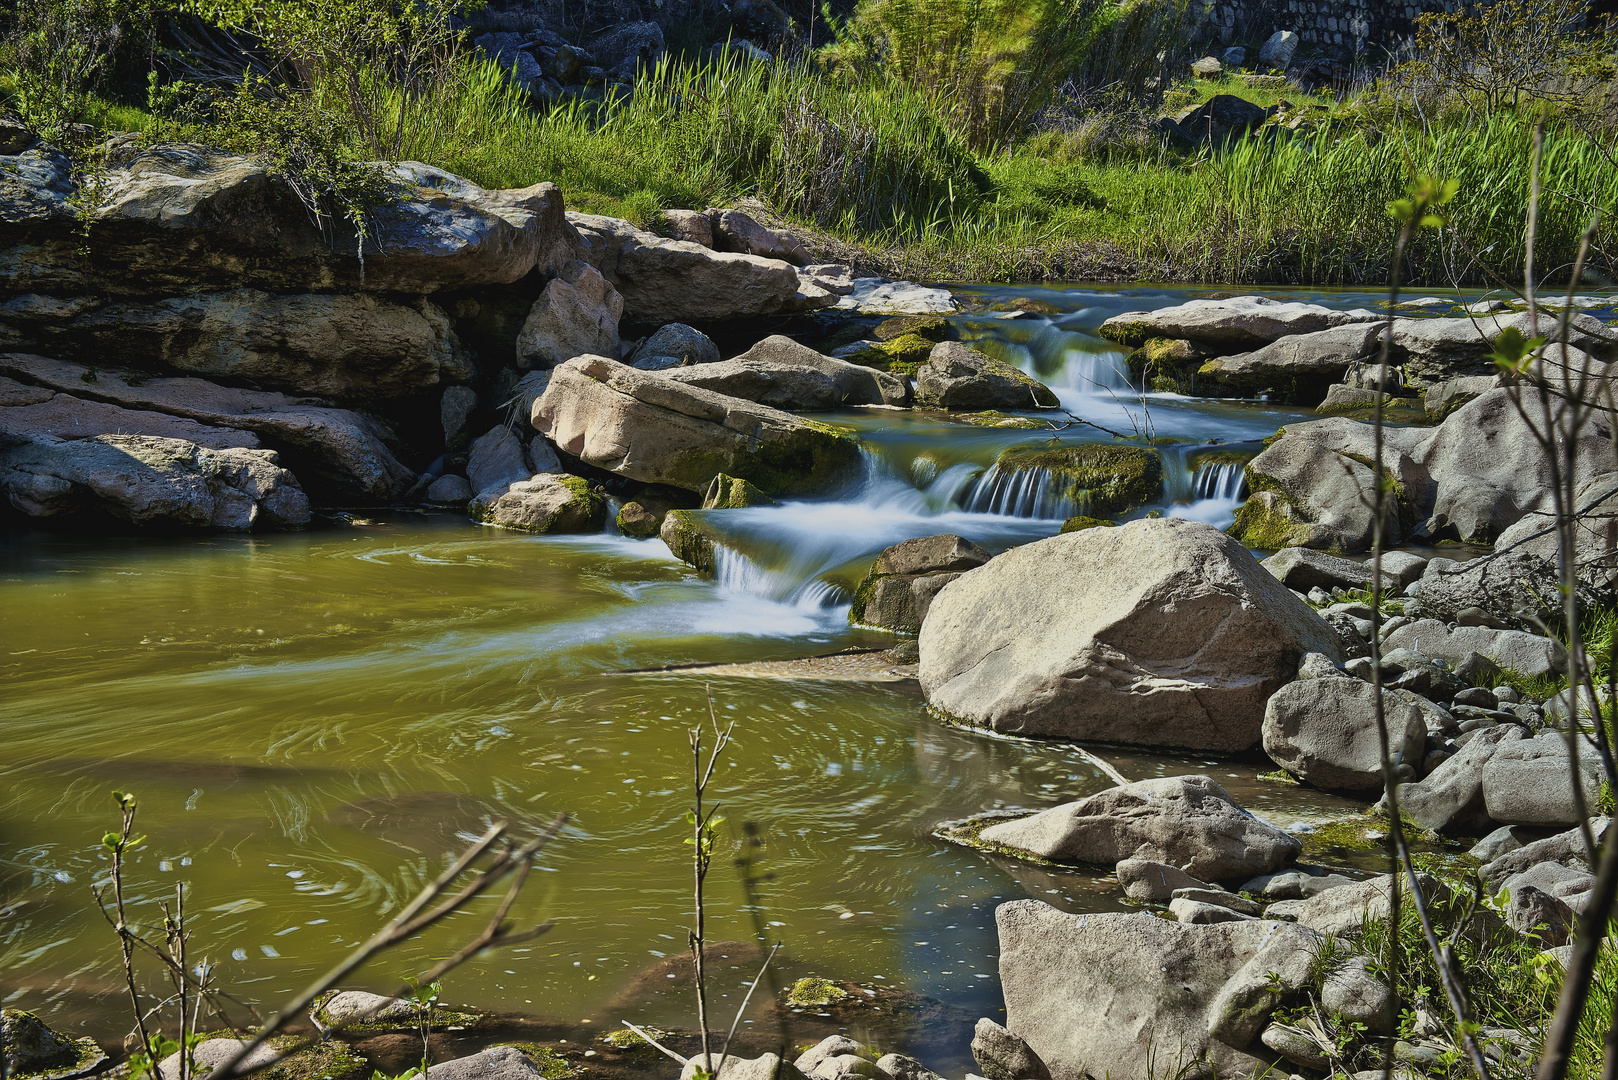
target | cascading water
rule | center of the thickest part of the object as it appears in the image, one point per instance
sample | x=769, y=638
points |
x=1220, y=481
x=1023, y=493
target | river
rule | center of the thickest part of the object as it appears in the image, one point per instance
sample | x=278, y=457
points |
x=311, y=721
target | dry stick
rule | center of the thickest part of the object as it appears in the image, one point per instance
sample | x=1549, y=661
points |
x=724, y=1051
x=408, y=922
x=700, y=859
x=125, y=935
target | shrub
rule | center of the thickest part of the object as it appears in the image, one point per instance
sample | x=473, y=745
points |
x=59, y=50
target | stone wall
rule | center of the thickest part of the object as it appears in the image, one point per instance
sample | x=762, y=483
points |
x=1346, y=27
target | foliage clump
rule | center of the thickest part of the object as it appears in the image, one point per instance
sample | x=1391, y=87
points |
x=815, y=993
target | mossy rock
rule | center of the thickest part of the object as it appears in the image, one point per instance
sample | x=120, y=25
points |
x=689, y=540
x=1131, y=335
x=1079, y=524
x=1106, y=480
x=811, y=459
x=1268, y=520
x=1168, y=365
x=934, y=328
x=330, y=1060
x=901, y=356
x=552, y=1064
x=968, y=833
x=35, y=1050
x=733, y=493
x=815, y=993
x=625, y=1041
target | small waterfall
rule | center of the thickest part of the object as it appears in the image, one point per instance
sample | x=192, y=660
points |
x=1024, y=493
x=1220, y=481
x=737, y=573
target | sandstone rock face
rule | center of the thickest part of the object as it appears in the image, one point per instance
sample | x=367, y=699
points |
x=1324, y=732
x=1180, y=639
x=576, y=315
x=341, y=346
x=153, y=482
x=1091, y=993
x=1184, y=821
x=649, y=427
x=32, y=412
x=856, y=384
x=962, y=379
x=1310, y=361
x=674, y=280
x=332, y=451
x=1241, y=322
x=546, y=503
x=175, y=218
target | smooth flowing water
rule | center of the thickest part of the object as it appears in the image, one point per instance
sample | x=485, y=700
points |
x=312, y=721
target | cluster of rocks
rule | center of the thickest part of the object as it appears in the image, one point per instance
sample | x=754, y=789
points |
x=189, y=350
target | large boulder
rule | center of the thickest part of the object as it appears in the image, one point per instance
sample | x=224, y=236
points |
x=153, y=482
x=678, y=342
x=959, y=378
x=1124, y=996
x=1303, y=365
x=498, y=459
x=856, y=384
x=1156, y=633
x=1311, y=487
x=665, y=280
x=1488, y=469
x=334, y=453
x=333, y=345
x=1436, y=350
x=899, y=590
x=1533, y=655
x=1531, y=782
x=576, y=315
x=168, y=220
x=1324, y=731
x=780, y=386
x=1184, y=821
x=1230, y=325
x=649, y=427
x=1450, y=798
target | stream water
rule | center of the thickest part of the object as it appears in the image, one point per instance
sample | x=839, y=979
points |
x=312, y=721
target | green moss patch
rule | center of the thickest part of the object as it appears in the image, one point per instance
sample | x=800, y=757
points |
x=815, y=993
x=1079, y=524
x=1104, y=480
x=996, y=419
x=625, y=1039
x=1129, y=334
x=733, y=493
x=934, y=328
x=552, y=1064
x=689, y=542
x=968, y=833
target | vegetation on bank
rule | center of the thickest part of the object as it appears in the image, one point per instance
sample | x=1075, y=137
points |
x=928, y=139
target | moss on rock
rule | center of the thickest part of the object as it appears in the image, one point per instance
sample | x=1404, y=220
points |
x=683, y=532
x=997, y=419
x=552, y=1064
x=1128, y=334
x=902, y=355
x=1081, y=523
x=733, y=493
x=815, y=993
x=624, y=1039
x=1105, y=480
x=934, y=328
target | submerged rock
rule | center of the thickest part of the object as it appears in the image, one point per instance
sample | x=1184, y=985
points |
x=1184, y=821
x=649, y=427
x=1156, y=633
